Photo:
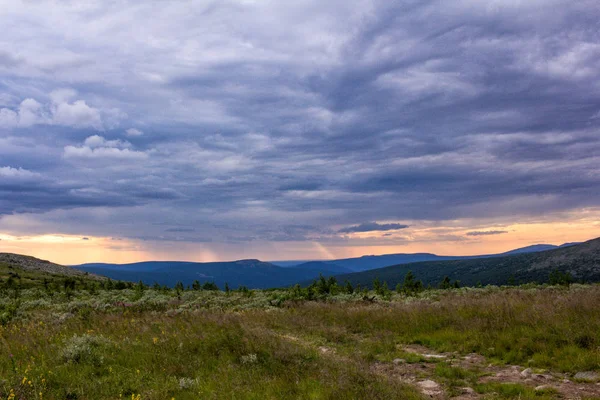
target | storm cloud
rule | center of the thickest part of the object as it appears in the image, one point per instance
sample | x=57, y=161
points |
x=372, y=226
x=295, y=121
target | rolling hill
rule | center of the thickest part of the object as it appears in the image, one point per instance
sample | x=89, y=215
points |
x=582, y=261
x=537, y=247
x=251, y=273
x=258, y=274
x=365, y=263
x=321, y=267
x=30, y=271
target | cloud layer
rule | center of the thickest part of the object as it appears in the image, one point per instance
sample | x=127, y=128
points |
x=485, y=233
x=371, y=227
x=237, y=121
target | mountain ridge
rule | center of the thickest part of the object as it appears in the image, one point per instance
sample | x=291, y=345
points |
x=369, y=262
x=581, y=261
x=251, y=273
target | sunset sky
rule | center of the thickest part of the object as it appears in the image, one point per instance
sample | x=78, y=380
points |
x=221, y=130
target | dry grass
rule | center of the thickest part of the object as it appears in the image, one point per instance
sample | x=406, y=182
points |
x=163, y=345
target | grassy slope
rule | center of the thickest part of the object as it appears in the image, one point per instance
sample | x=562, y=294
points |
x=25, y=278
x=582, y=261
x=162, y=345
x=33, y=264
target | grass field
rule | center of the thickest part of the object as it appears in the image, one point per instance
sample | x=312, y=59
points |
x=162, y=344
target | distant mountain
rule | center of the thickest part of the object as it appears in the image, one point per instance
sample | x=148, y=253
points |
x=538, y=247
x=582, y=261
x=322, y=267
x=259, y=274
x=569, y=244
x=251, y=273
x=290, y=263
x=366, y=263
x=531, y=249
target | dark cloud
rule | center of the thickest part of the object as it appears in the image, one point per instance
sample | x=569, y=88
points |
x=485, y=233
x=372, y=226
x=183, y=230
x=282, y=124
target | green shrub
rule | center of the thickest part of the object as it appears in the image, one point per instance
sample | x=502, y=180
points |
x=85, y=349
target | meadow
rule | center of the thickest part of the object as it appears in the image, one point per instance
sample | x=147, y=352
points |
x=82, y=341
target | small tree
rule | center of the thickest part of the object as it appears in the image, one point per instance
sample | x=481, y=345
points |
x=92, y=289
x=511, y=280
x=325, y=286
x=384, y=291
x=210, y=286
x=69, y=284
x=445, y=284
x=139, y=290
x=376, y=284
x=332, y=285
x=411, y=285
x=120, y=285
x=244, y=289
x=348, y=287
x=560, y=278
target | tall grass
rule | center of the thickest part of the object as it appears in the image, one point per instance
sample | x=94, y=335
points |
x=243, y=345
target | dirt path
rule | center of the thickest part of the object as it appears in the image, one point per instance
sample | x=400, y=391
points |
x=540, y=381
x=423, y=375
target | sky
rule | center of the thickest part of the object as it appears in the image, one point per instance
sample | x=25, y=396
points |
x=220, y=130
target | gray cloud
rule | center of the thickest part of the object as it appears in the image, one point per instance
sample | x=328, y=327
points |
x=485, y=233
x=265, y=121
x=181, y=230
x=372, y=226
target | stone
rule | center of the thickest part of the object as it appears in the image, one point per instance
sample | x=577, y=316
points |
x=399, y=361
x=467, y=390
x=429, y=387
x=587, y=376
x=542, y=387
x=435, y=356
x=526, y=372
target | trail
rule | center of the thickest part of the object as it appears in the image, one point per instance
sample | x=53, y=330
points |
x=422, y=374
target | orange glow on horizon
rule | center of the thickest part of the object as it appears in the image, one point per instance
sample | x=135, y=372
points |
x=446, y=240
